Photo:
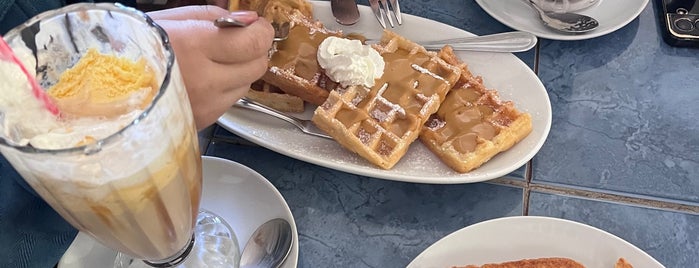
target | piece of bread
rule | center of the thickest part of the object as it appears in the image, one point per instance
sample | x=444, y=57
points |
x=531, y=263
x=293, y=66
x=380, y=123
x=472, y=124
x=269, y=95
x=622, y=263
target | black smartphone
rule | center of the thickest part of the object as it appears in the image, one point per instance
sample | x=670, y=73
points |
x=679, y=22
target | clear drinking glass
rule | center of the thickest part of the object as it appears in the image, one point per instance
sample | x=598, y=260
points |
x=137, y=190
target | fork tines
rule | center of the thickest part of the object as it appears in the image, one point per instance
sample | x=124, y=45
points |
x=382, y=10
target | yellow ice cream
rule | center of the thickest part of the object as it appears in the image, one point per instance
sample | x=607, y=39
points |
x=104, y=85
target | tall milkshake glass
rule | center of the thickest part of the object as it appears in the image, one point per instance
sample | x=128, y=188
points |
x=134, y=182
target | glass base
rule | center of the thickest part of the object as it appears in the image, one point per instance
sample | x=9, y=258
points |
x=214, y=244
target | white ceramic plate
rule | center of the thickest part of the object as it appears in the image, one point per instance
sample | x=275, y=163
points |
x=502, y=71
x=611, y=14
x=522, y=237
x=235, y=192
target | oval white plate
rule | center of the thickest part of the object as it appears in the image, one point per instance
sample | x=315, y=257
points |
x=501, y=71
x=244, y=198
x=611, y=14
x=522, y=237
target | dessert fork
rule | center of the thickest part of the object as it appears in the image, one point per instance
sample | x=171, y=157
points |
x=306, y=126
x=382, y=10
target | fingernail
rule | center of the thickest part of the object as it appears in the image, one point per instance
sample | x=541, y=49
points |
x=244, y=16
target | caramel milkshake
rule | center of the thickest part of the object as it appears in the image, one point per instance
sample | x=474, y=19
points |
x=121, y=160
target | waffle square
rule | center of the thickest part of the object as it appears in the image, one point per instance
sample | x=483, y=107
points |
x=381, y=122
x=472, y=124
x=293, y=64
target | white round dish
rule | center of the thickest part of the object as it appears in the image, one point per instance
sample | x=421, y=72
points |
x=501, y=71
x=244, y=198
x=611, y=14
x=526, y=237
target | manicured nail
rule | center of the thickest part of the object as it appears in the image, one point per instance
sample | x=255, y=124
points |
x=244, y=16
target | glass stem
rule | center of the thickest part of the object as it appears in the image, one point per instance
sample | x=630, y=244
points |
x=176, y=259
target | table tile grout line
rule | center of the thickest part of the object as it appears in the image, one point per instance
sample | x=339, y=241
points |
x=528, y=170
x=670, y=205
x=526, y=192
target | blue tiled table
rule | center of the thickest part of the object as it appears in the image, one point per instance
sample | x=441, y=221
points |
x=622, y=155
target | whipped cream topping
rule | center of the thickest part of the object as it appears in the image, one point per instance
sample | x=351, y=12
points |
x=348, y=62
x=24, y=119
x=21, y=113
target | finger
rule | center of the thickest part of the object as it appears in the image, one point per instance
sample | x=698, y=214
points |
x=225, y=76
x=254, y=40
x=215, y=108
x=204, y=12
x=227, y=45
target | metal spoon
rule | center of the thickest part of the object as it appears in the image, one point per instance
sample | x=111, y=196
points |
x=565, y=22
x=281, y=31
x=345, y=12
x=268, y=246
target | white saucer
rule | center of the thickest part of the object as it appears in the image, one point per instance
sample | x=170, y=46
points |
x=611, y=14
x=527, y=237
x=244, y=198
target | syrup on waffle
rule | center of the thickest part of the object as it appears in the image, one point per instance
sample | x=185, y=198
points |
x=276, y=11
x=293, y=66
x=381, y=122
x=472, y=125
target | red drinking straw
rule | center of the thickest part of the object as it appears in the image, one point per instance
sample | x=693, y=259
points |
x=7, y=54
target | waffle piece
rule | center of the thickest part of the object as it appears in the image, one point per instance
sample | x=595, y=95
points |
x=274, y=97
x=531, y=263
x=273, y=10
x=293, y=66
x=472, y=125
x=277, y=11
x=381, y=122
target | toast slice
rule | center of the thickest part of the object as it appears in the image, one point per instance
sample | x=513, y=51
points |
x=531, y=263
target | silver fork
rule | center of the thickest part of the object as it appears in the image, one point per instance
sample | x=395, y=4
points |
x=382, y=10
x=306, y=126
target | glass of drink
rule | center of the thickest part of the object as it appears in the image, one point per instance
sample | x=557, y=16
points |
x=122, y=165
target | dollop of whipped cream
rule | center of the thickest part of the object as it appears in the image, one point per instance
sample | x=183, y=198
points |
x=348, y=62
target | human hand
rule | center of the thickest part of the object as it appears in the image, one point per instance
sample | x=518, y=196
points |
x=217, y=64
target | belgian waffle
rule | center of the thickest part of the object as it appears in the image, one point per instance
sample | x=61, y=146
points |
x=380, y=123
x=277, y=11
x=293, y=66
x=472, y=125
